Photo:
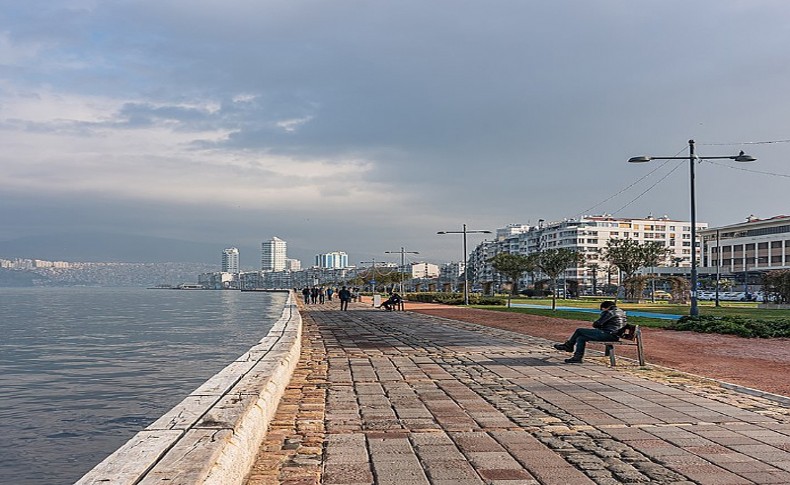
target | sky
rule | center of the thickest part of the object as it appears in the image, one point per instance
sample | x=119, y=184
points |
x=368, y=126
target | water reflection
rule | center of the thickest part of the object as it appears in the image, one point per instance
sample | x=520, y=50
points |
x=83, y=369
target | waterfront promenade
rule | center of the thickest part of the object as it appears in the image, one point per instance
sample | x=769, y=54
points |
x=403, y=398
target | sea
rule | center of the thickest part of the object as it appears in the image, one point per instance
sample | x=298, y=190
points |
x=84, y=369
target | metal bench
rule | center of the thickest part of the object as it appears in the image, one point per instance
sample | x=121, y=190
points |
x=632, y=335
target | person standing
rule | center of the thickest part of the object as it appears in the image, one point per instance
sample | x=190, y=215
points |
x=606, y=329
x=329, y=293
x=345, y=296
x=306, y=295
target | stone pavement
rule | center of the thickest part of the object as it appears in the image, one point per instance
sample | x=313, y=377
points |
x=401, y=398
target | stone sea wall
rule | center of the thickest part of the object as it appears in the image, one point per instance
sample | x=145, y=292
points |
x=213, y=435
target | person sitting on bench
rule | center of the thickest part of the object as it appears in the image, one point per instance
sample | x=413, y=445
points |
x=393, y=301
x=606, y=329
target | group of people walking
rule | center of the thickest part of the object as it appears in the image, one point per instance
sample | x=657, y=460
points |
x=318, y=295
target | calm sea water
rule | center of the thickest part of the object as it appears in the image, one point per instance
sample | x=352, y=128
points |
x=83, y=369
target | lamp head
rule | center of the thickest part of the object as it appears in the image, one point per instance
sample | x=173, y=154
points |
x=742, y=157
x=442, y=232
x=642, y=159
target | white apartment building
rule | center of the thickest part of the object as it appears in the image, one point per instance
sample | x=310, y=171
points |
x=273, y=254
x=588, y=236
x=422, y=270
x=335, y=259
x=230, y=260
x=293, y=264
x=754, y=245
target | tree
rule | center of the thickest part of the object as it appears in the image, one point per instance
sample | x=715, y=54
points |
x=777, y=285
x=512, y=266
x=554, y=262
x=630, y=256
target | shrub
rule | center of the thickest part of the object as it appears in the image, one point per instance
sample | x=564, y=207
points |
x=454, y=298
x=739, y=326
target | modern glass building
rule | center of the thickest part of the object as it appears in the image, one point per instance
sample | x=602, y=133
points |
x=335, y=259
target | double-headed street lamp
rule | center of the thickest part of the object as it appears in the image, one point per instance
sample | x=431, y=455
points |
x=372, y=264
x=466, y=267
x=403, y=254
x=741, y=157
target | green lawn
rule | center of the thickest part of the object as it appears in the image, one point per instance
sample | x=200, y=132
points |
x=741, y=309
x=587, y=317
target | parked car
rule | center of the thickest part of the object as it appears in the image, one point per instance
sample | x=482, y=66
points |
x=662, y=295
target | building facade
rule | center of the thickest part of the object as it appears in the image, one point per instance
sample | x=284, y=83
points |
x=273, y=254
x=756, y=245
x=587, y=235
x=335, y=259
x=230, y=260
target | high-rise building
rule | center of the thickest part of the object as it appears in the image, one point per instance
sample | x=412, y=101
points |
x=335, y=259
x=230, y=260
x=293, y=264
x=273, y=254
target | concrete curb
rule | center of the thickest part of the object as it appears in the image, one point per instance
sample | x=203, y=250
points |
x=213, y=435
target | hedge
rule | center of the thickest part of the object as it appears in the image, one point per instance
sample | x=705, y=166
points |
x=454, y=299
x=739, y=326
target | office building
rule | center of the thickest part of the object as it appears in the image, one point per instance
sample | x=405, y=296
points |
x=273, y=254
x=335, y=259
x=756, y=245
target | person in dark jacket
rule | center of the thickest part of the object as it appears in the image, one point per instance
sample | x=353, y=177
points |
x=345, y=296
x=606, y=329
x=392, y=302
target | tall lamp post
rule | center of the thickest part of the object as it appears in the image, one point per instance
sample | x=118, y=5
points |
x=741, y=157
x=372, y=264
x=403, y=254
x=465, y=231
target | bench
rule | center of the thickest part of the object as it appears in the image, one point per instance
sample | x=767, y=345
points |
x=395, y=306
x=632, y=335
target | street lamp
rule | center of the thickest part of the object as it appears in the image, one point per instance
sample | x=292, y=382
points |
x=372, y=264
x=403, y=254
x=741, y=157
x=466, y=268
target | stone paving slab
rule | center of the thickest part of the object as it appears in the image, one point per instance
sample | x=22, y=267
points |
x=414, y=399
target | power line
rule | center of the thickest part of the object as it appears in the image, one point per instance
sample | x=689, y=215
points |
x=745, y=143
x=746, y=169
x=629, y=186
x=651, y=187
x=587, y=211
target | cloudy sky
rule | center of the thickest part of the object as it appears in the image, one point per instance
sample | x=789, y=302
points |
x=367, y=126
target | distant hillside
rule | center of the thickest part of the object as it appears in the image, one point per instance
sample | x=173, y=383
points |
x=20, y=278
x=98, y=247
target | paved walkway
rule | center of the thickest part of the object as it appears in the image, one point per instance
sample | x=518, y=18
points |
x=401, y=398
